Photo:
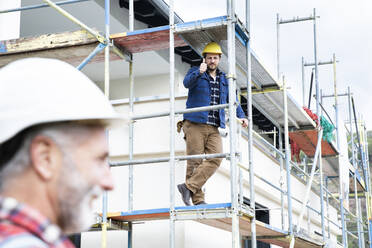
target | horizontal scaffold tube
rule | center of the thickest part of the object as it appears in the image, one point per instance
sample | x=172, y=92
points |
x=166, y=159
x=38, y=6
x=183, y=111
x=275, y=150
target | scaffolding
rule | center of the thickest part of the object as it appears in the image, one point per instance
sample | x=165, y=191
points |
x=261, y=90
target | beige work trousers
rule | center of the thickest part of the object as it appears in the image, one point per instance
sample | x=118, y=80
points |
x=201, y=139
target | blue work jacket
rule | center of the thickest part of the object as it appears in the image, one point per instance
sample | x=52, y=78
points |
x=199, y=96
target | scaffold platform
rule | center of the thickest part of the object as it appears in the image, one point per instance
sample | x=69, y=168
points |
x=218, y=216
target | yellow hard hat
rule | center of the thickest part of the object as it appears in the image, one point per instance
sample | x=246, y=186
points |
x=212, y=47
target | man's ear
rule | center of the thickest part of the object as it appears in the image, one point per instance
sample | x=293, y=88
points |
x=45, y=156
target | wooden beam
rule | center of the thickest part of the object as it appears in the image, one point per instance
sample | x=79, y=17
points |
x=46, y=41
x=72, y=47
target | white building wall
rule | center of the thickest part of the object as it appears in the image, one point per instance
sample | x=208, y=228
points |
x=10, y=22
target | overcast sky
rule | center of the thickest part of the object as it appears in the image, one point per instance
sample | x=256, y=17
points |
x=344, y=28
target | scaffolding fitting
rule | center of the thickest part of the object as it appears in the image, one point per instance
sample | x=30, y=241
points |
x=232, y=76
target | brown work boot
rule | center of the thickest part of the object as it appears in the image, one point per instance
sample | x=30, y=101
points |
x=185, y=192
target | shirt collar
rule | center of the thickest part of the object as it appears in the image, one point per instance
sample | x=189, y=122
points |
x=30, y=219
x=218, y=73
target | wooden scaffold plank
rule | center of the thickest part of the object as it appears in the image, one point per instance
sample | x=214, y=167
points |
x=72, y=47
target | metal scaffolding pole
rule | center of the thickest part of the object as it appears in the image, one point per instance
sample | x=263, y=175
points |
x=328, y=217
x=167, y=159
x=250, y=123
x=358, y=214
x=366, y=154
x=107, y=93
x=278, y=22
x=38, y=6
x=241, y=188
x=355, y=166
x=182, y=111
x=131, y=129
x=303, y=81
x=342, y=210
x=172, y=235
x=368, y=184
x=336, y=102
x=287, y=160
x=318, y=112
x=278, y=46
x=310, y=181
x=99, y=37
x=281, y=180
x=232, y=122
x=97, y=50
x=362, y=156
x=362, y=226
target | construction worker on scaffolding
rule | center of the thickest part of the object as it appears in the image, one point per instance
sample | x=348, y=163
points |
x=207, y=86
x=53, y=152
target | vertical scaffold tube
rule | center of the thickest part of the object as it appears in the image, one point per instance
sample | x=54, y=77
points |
x=327, y=202
x=107, y=93
x=281, y=180
x=241, y=180
x=318, y=114
x=131, y=129
x=232, y=121
x=360, y=234
x=303, y=81
x=336, y=102
x=287, y=159
x=131, y=142
x=250, y=123
x=368, y=185
x=341, y=199
x=367, y=154
x=172, y=234
x=238, y=144
x=278, y=46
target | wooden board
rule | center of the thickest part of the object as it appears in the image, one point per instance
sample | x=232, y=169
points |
x=72, y=47
x=137, y=42
x=307, y=140
x=145, y=215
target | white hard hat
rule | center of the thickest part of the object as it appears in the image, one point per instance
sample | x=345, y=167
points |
x=36, y=90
